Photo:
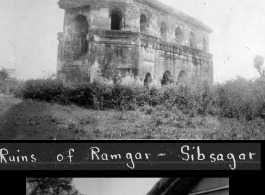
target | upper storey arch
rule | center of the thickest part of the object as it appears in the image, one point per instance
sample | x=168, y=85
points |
x=178, y=35
x=163, y=30
x=204, y=44
x=116, y=19
x=79, y=36
x=143, y=23
x=192, y=41
x=80, y=24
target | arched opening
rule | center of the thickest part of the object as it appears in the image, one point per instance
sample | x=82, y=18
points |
x=182, y=77
x=192, y=40
x=80, y=44
x=116, y=19
x=204, y=43
x=81, y=23
x=143, y=22
x=166, y=78
x=178, y=35
x=163, y=30
x=147, y=80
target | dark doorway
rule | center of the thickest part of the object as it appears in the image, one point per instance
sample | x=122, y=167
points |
x=147, y=80
x=116, y=19
x=166, y=78
x=182, y=77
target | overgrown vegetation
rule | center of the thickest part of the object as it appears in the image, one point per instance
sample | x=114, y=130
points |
x=234, y=110
x=49, y=186
x=239, y=99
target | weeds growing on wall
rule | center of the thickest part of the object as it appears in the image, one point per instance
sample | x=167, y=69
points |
x=240, y=99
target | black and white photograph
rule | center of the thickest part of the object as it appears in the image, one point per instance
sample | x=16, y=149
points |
x=127, y=186
x=132, y=70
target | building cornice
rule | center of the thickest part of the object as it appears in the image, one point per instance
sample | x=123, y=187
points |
x=67, y=4
x=178, y=14
x=174, y=186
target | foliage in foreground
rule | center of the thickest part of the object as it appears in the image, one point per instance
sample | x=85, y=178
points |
x=8, y=85
x=55, y=186
x=240, y=99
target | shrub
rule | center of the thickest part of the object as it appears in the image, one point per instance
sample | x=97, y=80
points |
x=42, y=90
x=242, y=99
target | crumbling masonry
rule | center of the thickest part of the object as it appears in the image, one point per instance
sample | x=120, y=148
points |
x=132, y=41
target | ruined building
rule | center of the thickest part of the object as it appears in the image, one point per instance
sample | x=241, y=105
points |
x=132, y=41
x=191, y=186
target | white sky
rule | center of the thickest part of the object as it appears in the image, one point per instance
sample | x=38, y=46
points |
x=115, y=186
x=28, y=34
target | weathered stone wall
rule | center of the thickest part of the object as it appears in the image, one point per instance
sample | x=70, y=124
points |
x=208, y=184
x=129, y=55
x=191, y=186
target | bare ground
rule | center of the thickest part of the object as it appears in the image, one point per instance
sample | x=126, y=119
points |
x=31, y=120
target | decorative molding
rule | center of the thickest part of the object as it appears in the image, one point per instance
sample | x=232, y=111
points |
x=210, y=190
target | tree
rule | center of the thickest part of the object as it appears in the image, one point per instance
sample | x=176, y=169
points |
x=3, y=75
x=3, y=80
x=50, y=186
x=259, y=65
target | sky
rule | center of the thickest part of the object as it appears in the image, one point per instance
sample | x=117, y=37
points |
x=114, y=186
x=28, y=34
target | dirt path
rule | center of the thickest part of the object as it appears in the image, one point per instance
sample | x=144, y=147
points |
x=6, y=102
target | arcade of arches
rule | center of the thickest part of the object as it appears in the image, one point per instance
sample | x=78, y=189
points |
x=146, y=42
x=167, y=79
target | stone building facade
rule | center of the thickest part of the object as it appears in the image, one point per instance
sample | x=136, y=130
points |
x=132, y=41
